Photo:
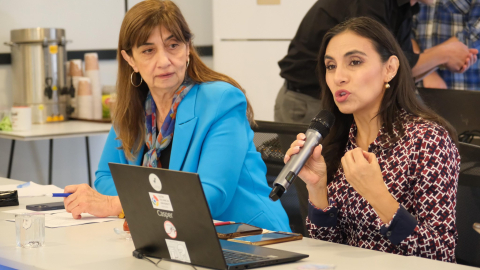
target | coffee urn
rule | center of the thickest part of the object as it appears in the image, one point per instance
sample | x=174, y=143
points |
x=39, y=58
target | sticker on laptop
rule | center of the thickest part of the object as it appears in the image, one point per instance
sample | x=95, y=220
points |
x=178, y=250
x=161, y=201
x=170, y=229
x=155, y=182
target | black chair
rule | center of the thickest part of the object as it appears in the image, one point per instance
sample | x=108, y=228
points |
x=272, y=140
x=468, y=206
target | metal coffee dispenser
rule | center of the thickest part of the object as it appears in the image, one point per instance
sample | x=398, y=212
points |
x=39, y=58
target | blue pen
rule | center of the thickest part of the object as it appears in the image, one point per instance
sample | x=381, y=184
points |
x=24, y=185
x=58, y=194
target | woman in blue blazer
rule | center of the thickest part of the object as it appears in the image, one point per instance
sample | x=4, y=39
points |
x=188, y=118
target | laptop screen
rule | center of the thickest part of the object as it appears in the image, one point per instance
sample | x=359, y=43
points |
x=168, y=215
x=459, y=107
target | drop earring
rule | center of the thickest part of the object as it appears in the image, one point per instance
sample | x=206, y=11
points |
x=387, y=85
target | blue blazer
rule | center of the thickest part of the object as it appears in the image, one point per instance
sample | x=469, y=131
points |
x=213, y=138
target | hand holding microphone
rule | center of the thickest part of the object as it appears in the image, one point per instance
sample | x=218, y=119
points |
x=314, y=172
x=318, y=129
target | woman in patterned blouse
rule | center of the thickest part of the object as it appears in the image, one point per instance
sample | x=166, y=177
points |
x=387, y=176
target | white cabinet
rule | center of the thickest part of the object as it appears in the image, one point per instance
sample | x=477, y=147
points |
x=248, y=41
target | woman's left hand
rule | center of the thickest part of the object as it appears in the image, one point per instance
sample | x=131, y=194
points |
x=85, y=199
x=363, y=172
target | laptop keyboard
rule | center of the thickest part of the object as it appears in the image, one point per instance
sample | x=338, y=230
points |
x=234, y=257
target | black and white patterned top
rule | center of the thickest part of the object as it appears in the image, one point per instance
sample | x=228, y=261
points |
x=421, y=171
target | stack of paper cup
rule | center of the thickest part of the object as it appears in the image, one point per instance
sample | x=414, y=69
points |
x=21, y=118
x=84, y=99
x=75, y=73
x=92, y=72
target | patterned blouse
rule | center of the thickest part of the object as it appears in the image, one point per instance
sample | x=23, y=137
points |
x=421, y=172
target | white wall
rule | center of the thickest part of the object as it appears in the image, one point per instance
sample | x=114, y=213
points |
x=198, y=14
x=248, y=41
x=90, y=24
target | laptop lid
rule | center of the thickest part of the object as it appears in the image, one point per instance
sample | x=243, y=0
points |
x=459, y=107
x=169, y=218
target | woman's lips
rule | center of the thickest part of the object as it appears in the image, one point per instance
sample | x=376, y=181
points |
x=165, y=76
x=341, y=95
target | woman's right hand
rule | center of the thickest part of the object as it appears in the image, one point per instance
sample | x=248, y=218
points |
x=85, y=199
x=314, y=172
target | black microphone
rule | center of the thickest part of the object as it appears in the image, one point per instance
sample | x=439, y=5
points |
x=318, y=129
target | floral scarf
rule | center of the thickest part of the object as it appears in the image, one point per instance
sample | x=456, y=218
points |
x=156, y=144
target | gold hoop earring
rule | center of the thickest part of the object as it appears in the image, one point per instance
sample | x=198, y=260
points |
x=131, y=80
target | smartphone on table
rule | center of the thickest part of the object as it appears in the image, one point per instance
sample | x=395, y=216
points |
x=236, y=230
x=46, y=206
x=268, y=238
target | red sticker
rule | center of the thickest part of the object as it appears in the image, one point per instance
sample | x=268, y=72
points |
x=170, y=229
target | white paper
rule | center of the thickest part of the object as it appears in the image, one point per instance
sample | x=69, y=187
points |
x=24, y=210
x=66, y=220
x=32, y=190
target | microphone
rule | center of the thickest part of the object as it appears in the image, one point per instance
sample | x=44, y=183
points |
x=318, y=129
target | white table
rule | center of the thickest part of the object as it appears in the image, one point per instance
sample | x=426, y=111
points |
x=56, y=130
x=96, y=246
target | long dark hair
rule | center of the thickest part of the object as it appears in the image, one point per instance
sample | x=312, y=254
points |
x=401, y=94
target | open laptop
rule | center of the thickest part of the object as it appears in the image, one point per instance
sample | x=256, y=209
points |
x=169, y=218
x=461, y=108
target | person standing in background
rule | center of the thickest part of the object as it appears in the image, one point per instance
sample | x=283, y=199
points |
x=450, y=20
x=298, y=100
